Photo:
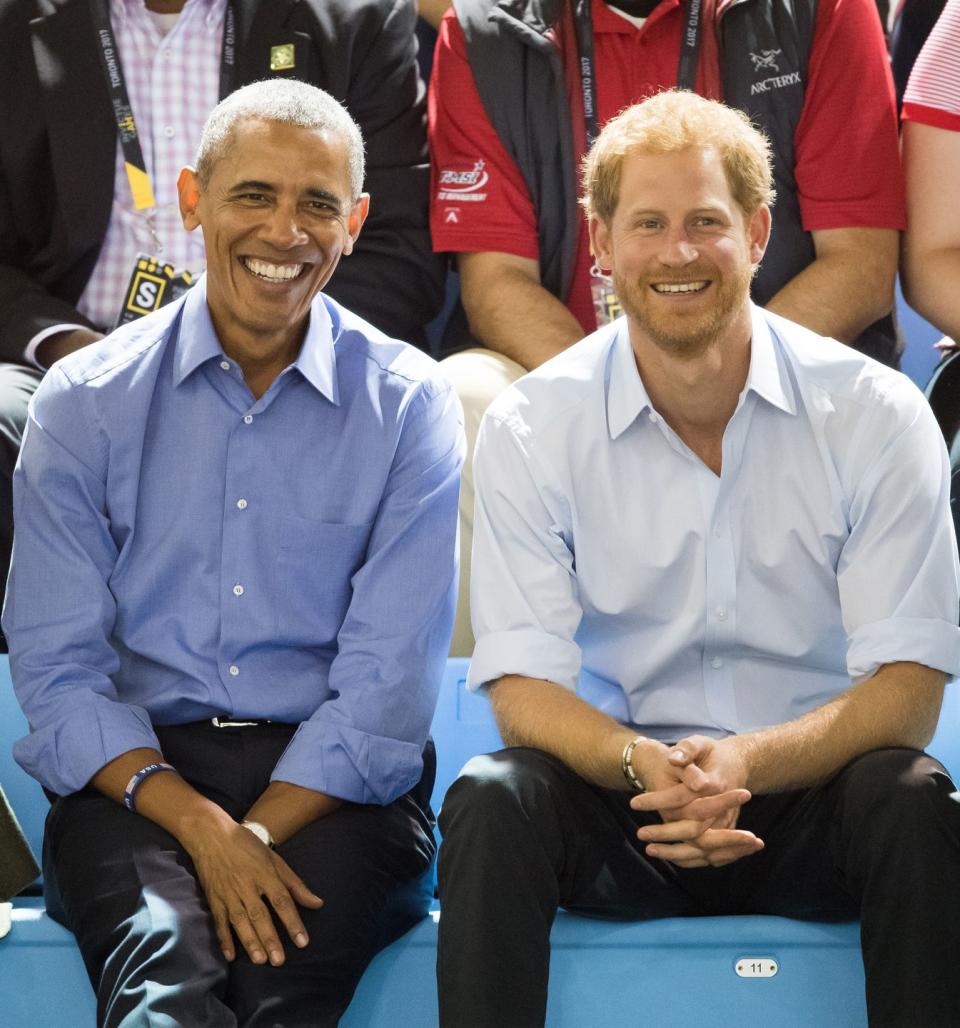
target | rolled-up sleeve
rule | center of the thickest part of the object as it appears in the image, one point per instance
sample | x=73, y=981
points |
x=59, y=611
x=898, y=571
x=523, y=589
x=365, y=743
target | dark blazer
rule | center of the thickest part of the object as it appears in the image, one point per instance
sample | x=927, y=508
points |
x=58, y=145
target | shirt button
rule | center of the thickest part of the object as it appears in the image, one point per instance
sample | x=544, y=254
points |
x=169, y=131
x=248, y=419
x=717, y=532
x=238, y=590
x=225, y=365
x=716, y=663
x=168, y=53
x=722, y=613
x=653, y=416
x=241, y=504
x=234, y=670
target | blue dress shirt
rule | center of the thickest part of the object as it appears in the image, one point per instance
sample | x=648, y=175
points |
x=705, y=603
x=184, y=550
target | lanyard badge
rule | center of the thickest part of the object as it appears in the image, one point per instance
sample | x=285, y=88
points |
x=153, y=284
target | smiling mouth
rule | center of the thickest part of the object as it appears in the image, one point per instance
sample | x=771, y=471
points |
x=679, y=287
x=267, y=271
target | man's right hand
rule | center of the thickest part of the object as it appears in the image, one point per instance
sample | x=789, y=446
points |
x=240, y=876
x=61, y=343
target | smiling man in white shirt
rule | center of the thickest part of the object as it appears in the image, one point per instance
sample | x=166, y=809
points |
x=743, y=529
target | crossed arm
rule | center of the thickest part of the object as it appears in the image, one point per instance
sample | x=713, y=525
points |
x=699, y=785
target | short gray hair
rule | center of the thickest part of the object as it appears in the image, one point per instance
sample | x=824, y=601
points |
x=286, y=101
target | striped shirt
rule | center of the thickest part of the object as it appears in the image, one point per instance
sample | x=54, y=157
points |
x=173, y=80
x=933, y=92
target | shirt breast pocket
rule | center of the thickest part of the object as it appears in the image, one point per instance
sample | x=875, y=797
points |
x=316, y=561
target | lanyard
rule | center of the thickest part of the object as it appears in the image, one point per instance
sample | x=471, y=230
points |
x=140, y=186
x=686, y=68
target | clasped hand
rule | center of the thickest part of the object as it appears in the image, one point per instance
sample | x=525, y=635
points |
x=697, y=788
x=237, y=873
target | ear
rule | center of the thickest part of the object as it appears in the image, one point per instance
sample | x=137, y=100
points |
x=600, y=242
x=758, y=232
x=355, y=219
x=188, y=188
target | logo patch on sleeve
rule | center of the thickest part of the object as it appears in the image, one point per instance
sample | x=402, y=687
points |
x=460, y=185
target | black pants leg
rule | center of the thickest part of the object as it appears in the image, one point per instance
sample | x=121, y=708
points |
x=17, y=385
x=130, y=895
x=523, y=835
x=884, y=837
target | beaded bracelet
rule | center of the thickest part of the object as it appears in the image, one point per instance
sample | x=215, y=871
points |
x=138, y=779
x=626, y=764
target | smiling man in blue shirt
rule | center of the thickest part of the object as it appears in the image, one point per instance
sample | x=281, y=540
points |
x=742, y=530
x=231, y=601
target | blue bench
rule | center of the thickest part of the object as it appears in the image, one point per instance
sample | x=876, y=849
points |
x=670, y=972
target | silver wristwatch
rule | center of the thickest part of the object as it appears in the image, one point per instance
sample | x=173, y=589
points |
x=260, y=831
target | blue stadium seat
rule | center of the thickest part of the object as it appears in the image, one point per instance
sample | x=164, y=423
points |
x=671, y=972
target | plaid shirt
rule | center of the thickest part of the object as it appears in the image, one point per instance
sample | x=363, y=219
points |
x=173, y=81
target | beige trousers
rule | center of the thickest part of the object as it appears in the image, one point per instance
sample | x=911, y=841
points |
x=478, y=376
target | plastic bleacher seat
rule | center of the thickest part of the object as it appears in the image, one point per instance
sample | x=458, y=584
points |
x=671, y=972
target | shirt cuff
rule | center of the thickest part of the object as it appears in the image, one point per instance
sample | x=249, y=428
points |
x=524, y=652
x=342, y=761
x=933, y=116
x=65, y=755
x=927, y=641
x=30, y=353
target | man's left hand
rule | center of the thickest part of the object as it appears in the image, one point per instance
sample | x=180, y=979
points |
x=705, y=768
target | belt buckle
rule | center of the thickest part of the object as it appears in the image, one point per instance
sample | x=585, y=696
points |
x=220, y=722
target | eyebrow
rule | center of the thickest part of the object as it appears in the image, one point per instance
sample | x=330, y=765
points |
x=267, y=187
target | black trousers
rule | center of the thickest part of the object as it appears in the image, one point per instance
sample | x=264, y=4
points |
x=17, y=384
x=523, y=835
x=129, y=893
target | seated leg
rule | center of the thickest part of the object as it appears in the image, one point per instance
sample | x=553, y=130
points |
x=371, y=865
x=478, y=377
x=522, y=835
x=142, y=923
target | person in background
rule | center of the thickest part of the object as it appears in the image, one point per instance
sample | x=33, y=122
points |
x=742, y=529
x=511, y=115
x=78, y=203
x=931, y=245
x=230, y=603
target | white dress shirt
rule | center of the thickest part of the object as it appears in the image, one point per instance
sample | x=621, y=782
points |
x=699, y=603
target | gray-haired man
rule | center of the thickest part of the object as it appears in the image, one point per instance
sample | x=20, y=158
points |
x=247, y=504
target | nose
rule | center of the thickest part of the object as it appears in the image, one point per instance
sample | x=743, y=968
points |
x=282, y=227
x=678, y=249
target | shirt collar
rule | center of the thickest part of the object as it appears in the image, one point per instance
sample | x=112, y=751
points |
x=627, y=396
x=120, y=10
x=767, y=375
x=198, y=343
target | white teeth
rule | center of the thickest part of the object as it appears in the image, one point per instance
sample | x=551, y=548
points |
x=273, y=272
x=679, y=287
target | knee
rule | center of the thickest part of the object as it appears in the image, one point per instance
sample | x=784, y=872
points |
x=903, y=790
x=495, y=790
